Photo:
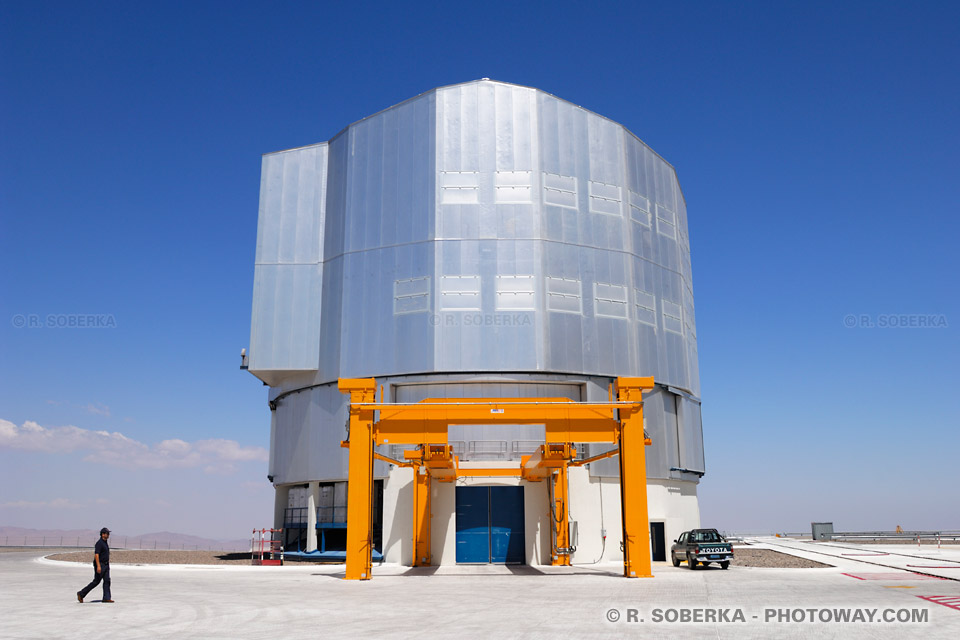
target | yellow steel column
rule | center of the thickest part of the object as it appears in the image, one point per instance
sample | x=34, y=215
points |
x=421, y=516
x=561, y=526
x=633, y=480
x=360, y=478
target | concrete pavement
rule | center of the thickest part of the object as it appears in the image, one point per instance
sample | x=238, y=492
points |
x=177, y=601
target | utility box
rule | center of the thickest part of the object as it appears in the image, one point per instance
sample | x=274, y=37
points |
x=822, y=530
x=340, y=502
x=297, y=497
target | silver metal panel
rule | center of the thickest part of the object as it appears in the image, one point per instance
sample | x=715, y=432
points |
x=288, y=276
x=481, y=227
x=411, y=295
x=604, y=198
x=338, y=154
x=676, y=442
x=309, y=427
x=331, y=311
x=516, y=293
x=563, y=294
x=500, y=389
x=513, y=186
x=390, y=177
x=611, y=300
x=287, y=296
x=377, y=337
x=691, y=435
x=307, y=430
x=326, y=498
x=292, y=199
x=460, y=293
x=560, y=190
x=387, y=290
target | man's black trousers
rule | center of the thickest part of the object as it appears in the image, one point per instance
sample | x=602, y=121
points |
x=97, y=577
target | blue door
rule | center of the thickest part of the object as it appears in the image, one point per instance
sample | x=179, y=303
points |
x=490, y=525
x=473, y=524
x=506, y=525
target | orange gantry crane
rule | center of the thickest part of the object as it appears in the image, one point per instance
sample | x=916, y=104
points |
x=424, y=424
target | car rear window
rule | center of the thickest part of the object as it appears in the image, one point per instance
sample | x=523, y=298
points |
x=707, y=536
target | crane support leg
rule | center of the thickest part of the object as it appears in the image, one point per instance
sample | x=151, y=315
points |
x=421, y=516
x=561, y=520
x=360, y=479
x=633, y=481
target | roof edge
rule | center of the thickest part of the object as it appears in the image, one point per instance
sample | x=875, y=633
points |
x=503, y=82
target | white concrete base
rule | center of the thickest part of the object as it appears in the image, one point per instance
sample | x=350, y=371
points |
x=594, y=505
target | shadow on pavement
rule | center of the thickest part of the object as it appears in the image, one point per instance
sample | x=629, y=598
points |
x=420, y=571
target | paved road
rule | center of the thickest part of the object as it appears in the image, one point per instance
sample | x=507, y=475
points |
x=927, y=559
x=472, y=602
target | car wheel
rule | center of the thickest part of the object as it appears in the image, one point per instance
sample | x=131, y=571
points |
x=691, y=563
x=676, y=560
x=724, y=564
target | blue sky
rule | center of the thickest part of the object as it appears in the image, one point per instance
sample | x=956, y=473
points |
x=816, y=143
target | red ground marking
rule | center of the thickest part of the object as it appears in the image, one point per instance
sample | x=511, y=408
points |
x=906, y=575
x=864, y=554
x=948, y=601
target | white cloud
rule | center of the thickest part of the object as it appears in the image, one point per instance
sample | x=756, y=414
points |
x=57, y=503
x=97, y=409
x=116, y=449
x=91, y=407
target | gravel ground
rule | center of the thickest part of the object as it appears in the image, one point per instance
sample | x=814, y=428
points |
x=771, y=559
x=742, y=558
x=123, y=556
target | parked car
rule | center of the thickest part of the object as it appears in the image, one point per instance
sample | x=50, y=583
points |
x=701, y=546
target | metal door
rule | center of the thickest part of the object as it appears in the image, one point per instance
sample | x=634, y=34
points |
x=490, y=525
x=658, y=543
x=506, y=525
x=473, y=524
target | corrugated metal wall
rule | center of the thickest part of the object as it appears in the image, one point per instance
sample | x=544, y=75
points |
x=482, y=227
x=288, y=275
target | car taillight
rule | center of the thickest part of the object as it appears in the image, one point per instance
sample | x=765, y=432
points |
x=696, y=548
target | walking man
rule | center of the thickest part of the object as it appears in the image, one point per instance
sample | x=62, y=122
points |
x=101, y=568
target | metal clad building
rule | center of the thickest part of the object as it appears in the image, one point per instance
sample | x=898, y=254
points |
x=482, y=239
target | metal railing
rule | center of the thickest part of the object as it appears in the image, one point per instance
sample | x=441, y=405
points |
x=905, y=536
x=486, y=449
x=297, y=516
x=524, y=447
x=853, y=536
x=124, y=543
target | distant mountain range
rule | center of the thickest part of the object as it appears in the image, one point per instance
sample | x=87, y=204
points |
x=18, y=536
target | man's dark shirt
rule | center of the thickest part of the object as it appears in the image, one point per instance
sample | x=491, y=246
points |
x=103, y=550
